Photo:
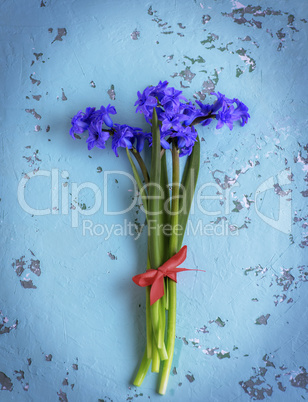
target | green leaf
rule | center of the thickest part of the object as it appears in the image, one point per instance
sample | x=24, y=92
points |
x=188, y=186
x=155, y=198
x=138, y=180
x=165, y=218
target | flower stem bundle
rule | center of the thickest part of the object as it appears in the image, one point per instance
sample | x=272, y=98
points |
x=166, y=203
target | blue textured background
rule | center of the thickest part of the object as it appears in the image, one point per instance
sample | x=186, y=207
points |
x=71, y=319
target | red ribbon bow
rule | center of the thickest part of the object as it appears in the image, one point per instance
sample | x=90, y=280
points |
x=155, y=277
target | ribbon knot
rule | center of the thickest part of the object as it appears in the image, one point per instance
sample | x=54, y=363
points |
x=155, y=277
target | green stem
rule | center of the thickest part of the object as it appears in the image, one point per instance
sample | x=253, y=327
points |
x=188, y=186
x=143, y=369
x=155, y=357
x=154, y=214
x=202, y=118
x=155, y=219
x=157, y=312
x=170, y=337
x=147, y=357
x=138, y=180
x=148, y=317
x=155, y=341
x=175, y=199
x=141, y=165
x=161, y=331
x=146, y=361
x=170, y=283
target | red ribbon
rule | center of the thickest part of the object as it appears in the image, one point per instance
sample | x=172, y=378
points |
x=155, y=277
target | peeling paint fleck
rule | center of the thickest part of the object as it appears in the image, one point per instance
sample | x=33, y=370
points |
x=61, y=32
x=32, y=159
x=203, y=330
x=62, y=396
x=65, y=382
x=247, y=59
x=111, y=92
x=251, y=387
x=18, y=265
x=20, y=375
x=34, y=113
x=27, y=284
x=111, y=256
x=186, y=74
x=210, y=351
x=239, y=72
x=190, y=378
x=6, y=329
x=255, y=386
x=5, y=382
x=135, y=35
x=220, y=322
x=304, y=193
x=278, y=190
x=269, y=363
x=35, y=267
x=300, y=380
x=207, y=88
x=34, y=80
x=223, y=355
x=64, y=98
x=184, y=340
x=205, y=19
x=262, y=320
x=38, y=56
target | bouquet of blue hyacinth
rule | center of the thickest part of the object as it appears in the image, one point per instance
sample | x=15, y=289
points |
x=172, y=120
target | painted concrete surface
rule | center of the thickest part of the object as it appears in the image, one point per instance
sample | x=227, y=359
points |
x=71, y=319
